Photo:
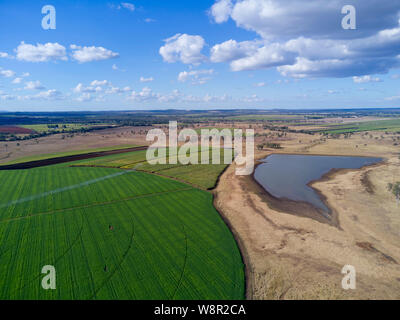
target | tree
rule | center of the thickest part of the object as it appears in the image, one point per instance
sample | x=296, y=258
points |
x=395, y=189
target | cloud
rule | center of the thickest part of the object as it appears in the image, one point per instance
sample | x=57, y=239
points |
x=196, y=76
x=129, y=6
x=124, y=5
x=264, y=58
x=97, y=90
x=7, y=97
x=150, y=79
x=333, y=92
x=394, y=98
x=85, y=97
x=221, y=10
x=17, y=81
x=100, y=83
x=303, y=39
x=80, y=88
x=365, y=79
x=34, y=85
x=282, y=81
x=4, y=55
x=172, y=97
x=116, y=90
x=7, y=73
x=25, y=74
x=41, y=52
x=44, y=95
x=88, y=54
x=260, y=84
x=276, y=19
x=232, y=50
x=149, y=20
x=50, y=94
x=184, y=48
x=145, y=95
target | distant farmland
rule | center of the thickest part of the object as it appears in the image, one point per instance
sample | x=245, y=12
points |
x=113, y=234
x=380, y=125
x=15, y=130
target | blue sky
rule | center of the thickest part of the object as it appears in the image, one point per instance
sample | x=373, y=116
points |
x=147, y=54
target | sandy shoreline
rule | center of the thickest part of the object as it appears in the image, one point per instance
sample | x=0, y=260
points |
x=294, y=257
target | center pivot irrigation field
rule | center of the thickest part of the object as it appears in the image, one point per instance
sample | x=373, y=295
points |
x=113, y=234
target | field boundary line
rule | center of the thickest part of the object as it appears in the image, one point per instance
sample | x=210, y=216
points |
x=176, y=179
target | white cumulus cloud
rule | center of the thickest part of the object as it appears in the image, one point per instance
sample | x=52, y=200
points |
x=304, y=39
x=100, y=83
x=7, y=73
x=129, y=6
x=149, y=79
x=184, y=48
x=221, y=10
x=196, y=76
x=41, y=52
x=34, y=85
x=232, y=50
x=88, y=54
x=17, y=80
x=365, y=79
x=145, y=95
x=4, y=55
x=80, y=88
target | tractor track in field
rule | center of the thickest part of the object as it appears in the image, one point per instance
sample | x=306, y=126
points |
x=95, y=204
x=184, y=264
x=117, y=267
x=74, y=242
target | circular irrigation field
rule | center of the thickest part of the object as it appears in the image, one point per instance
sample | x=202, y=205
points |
x=113, y=234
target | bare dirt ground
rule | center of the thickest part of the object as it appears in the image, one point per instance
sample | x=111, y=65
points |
x=294, y=257
x=79, y=141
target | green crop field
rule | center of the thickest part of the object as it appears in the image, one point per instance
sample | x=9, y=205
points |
x=379, y=125
x=202, y=175
x=166, y=242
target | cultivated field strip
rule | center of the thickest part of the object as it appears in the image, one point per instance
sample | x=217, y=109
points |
x=37, y=188
x=166, y=242
x=202, y=175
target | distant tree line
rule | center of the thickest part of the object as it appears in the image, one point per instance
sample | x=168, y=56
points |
x=271, y=145
x=13, y=137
